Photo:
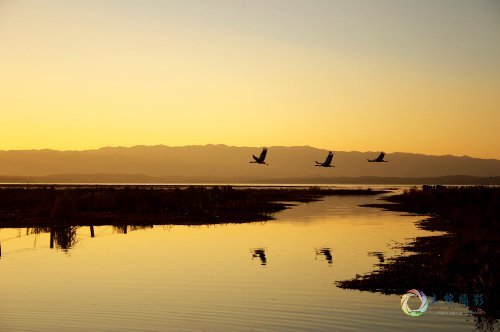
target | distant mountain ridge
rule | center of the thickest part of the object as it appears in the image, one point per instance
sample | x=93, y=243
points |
x=221, y=162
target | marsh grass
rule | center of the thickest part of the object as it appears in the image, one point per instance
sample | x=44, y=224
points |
x=39, y=206
x=465, y=260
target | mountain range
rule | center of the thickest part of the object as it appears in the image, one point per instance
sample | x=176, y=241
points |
x=222, y=163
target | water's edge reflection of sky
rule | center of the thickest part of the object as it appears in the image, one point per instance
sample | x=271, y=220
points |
x=276, y=275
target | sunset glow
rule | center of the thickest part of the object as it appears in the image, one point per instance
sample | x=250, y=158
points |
x=417, y=76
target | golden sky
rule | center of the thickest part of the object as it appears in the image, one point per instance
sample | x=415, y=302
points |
x=411, y=76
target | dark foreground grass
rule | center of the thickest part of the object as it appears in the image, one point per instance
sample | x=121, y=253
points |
x=460, y=266
x=42, y=206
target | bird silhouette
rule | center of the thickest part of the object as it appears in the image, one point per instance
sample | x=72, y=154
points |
x=327, y=162
x=379, y=159
x=261, y=158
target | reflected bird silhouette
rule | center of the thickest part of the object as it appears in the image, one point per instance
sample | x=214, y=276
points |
x=261, y=253
x=327, y=162
x=261, y=158
x=379, y=159
x=325, y=252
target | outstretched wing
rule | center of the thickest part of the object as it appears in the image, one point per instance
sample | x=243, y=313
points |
x=329, y=158
x=381, y=156
x=255, y=158
x=263, y=155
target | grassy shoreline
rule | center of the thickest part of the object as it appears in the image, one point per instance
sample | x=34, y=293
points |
x=463, y=260
x=92, y=205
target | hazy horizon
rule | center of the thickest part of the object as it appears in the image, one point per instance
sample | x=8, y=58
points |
x=230, y=162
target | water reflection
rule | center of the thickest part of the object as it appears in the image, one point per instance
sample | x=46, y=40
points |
x=227, y=292
x=66, y=237
x=63, y=236
x=327, y=252
x=139, y=227
x=261, y=253
x=122, y=229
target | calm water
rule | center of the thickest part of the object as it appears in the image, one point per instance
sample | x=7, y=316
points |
x=277, y=275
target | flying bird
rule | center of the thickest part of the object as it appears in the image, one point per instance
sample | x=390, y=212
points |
x=327, y=162
x=261, y=158
x=379, y=159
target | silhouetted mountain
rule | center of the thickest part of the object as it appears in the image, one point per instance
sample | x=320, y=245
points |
x=221, y=163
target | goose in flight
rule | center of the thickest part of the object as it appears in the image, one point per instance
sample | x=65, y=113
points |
x=327, y=162
x=261, y=158
x=379, y=159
